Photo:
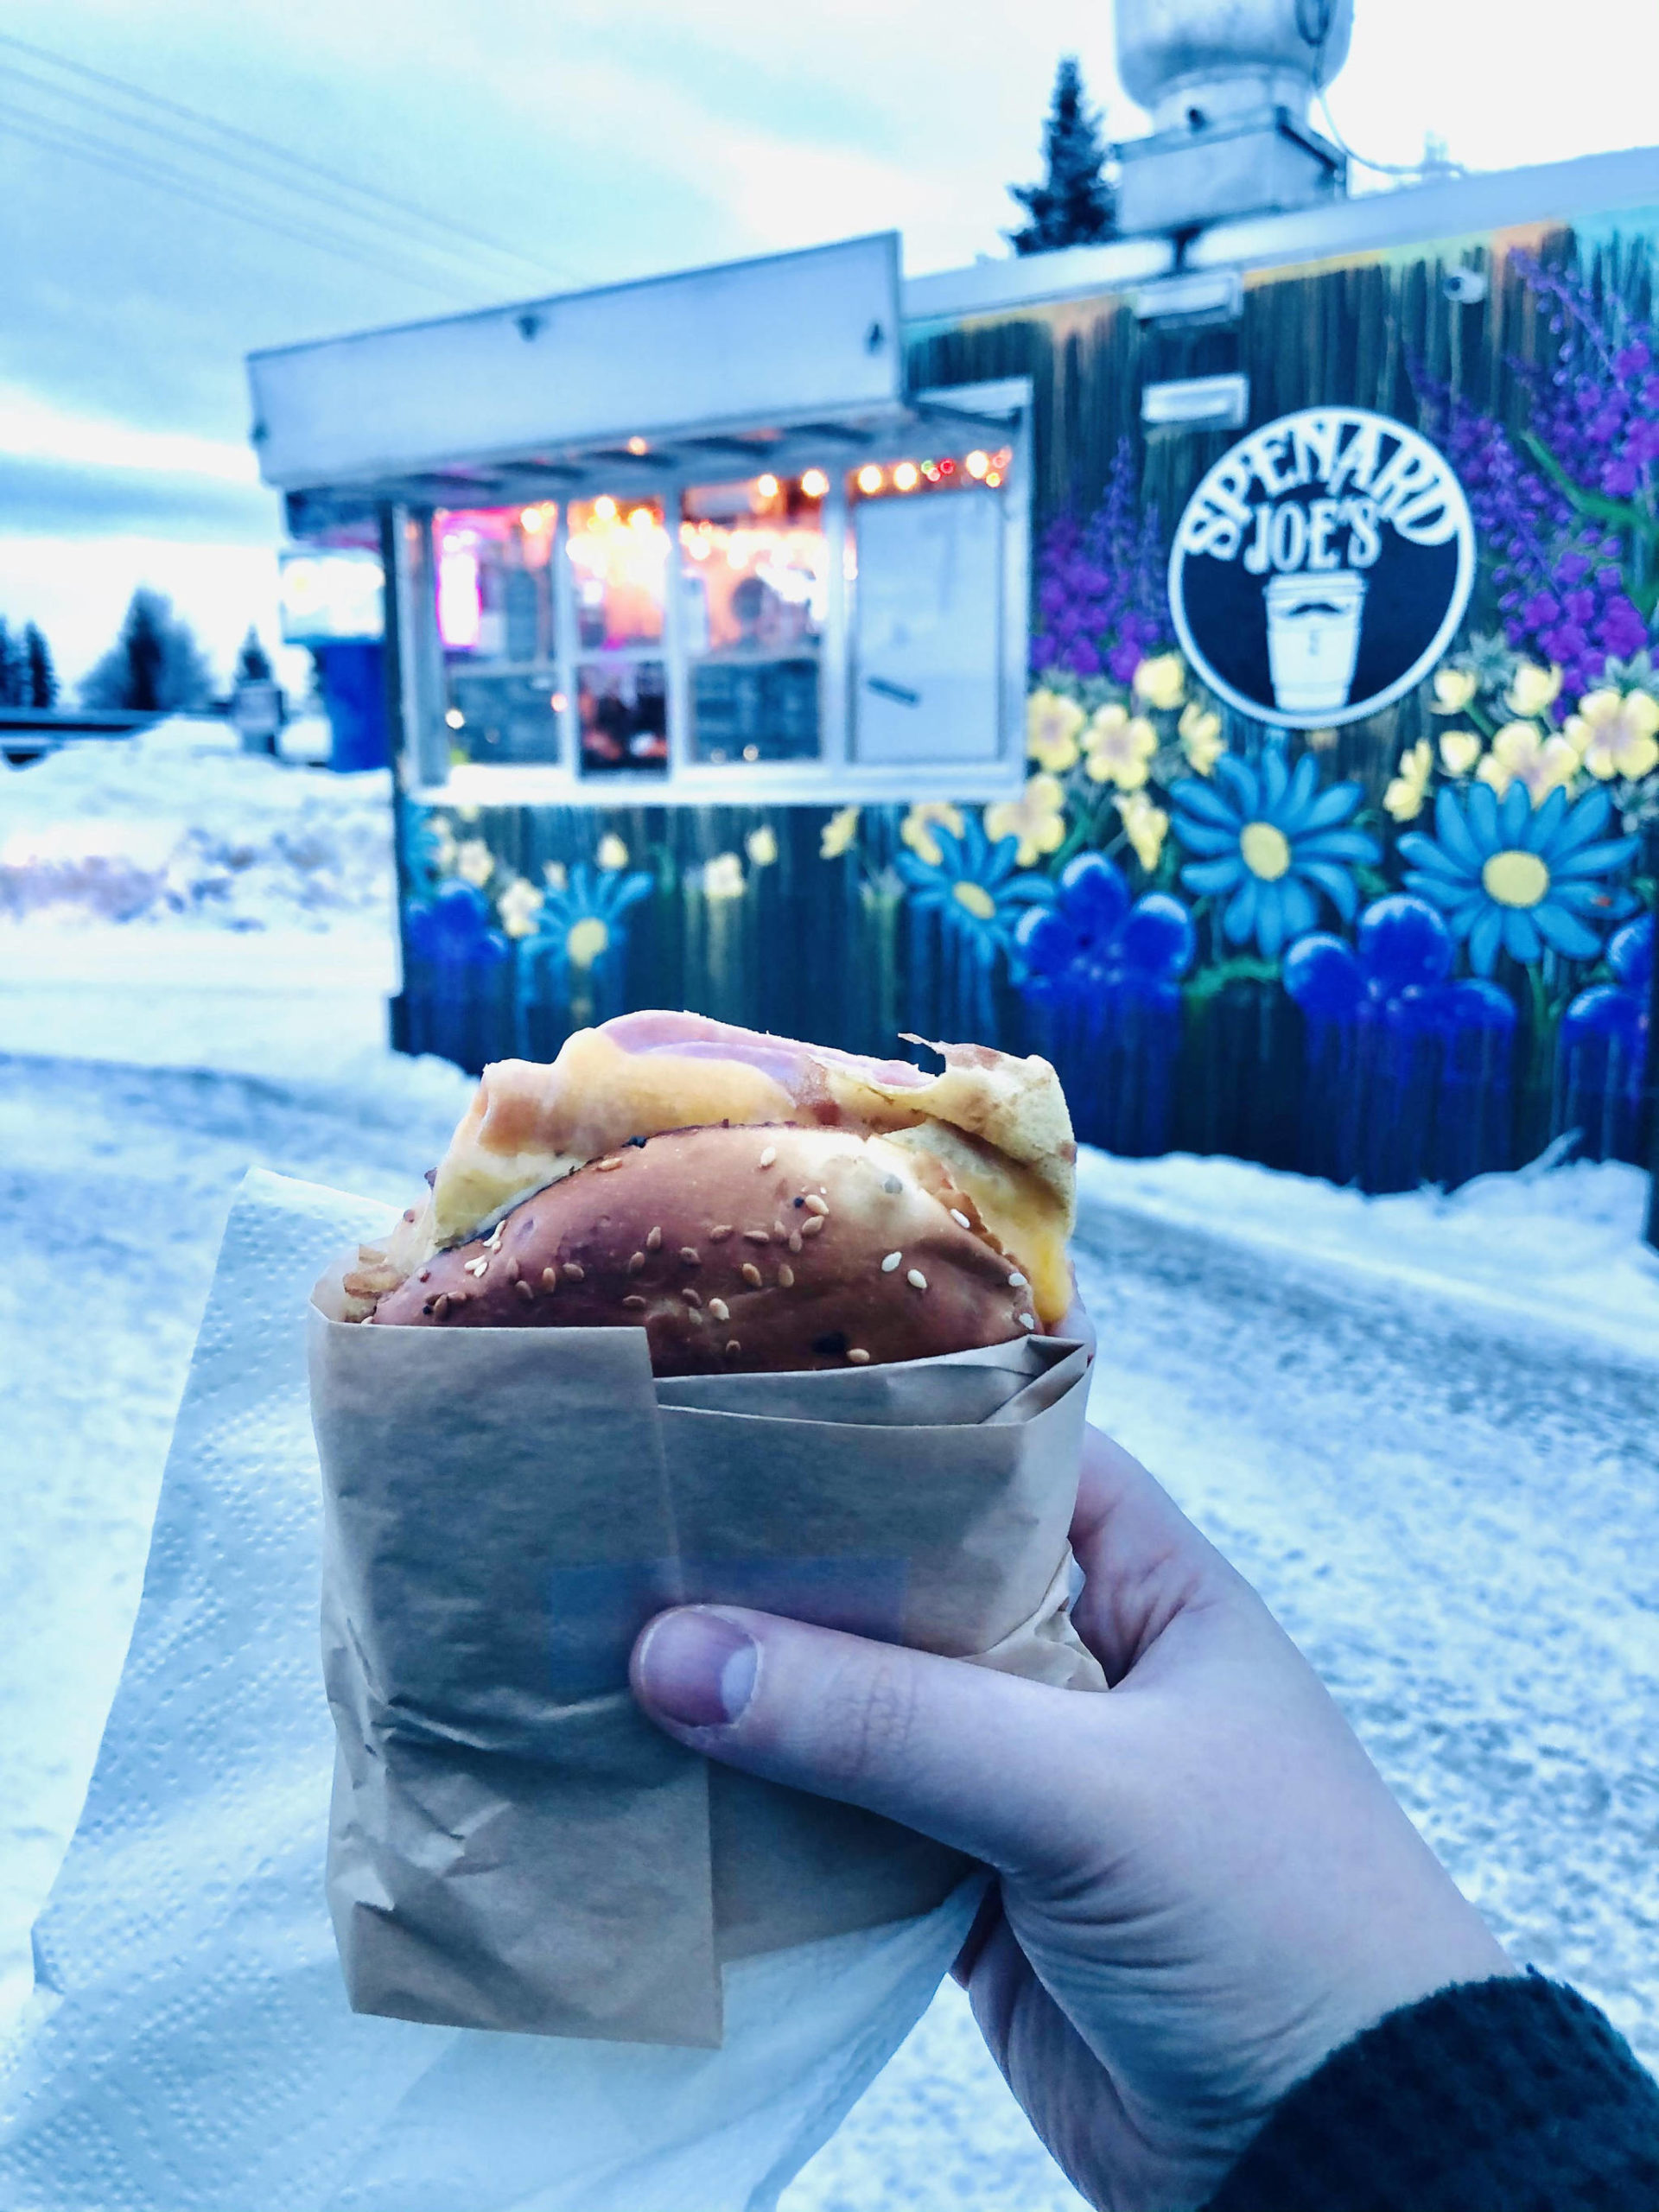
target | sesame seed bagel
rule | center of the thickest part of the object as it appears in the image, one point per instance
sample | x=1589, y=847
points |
x=750, y=1250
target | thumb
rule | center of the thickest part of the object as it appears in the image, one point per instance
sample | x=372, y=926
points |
x=985, y=1762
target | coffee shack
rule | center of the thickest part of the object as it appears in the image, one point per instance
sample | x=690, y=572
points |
x=1218, y=659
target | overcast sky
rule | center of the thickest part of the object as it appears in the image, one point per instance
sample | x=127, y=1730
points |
x=555, y=145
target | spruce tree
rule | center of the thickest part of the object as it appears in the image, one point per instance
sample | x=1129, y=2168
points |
x=1073, y=205
x=253, y=663
x=41, y=683
x=11, y=670
x=154, y=666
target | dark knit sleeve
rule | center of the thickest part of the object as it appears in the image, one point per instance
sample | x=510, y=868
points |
x=1511, y=2095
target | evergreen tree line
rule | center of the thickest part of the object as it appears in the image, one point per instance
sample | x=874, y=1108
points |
x=27, y=676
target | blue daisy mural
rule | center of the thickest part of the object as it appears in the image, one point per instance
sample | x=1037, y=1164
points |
x=1513, y=878
x=974, y=894
x=1270, y=841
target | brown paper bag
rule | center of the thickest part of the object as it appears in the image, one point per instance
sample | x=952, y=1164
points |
x=513, y=1845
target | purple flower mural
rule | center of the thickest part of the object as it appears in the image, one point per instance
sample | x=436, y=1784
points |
x=1100, y=601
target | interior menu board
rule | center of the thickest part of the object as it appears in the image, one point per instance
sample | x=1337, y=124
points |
x=755, y=709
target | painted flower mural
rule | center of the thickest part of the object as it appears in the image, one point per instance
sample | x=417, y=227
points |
x=1616, y=735
x=1093, y=942
x=1269, y=842
x=1509, y=877
x=1036, y=820
x=974, y=887
x=576, y=952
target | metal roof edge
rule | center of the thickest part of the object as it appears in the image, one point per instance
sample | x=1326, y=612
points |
x=1450, y=208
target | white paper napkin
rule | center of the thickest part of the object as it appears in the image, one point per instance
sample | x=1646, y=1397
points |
x=188, y=2047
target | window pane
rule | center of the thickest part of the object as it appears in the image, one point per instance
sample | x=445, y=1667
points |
x=622, y=709
x=754, y=566
x=495, y=622
x=494, y=601
x=619, y=556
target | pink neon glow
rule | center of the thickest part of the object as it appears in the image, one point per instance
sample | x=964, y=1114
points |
x=458, y=600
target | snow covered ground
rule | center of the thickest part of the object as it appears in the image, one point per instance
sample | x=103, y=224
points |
x=1426, y=1428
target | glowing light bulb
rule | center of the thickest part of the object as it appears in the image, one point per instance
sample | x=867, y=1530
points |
x=815, y=483
x=869, y=477
x=456, y=719
x=977, y=463
x=766, y=487
x=641, y=518
x=638, y=446
x=558, y=702
x=907, y=476
x=605, y=508
x=993, y=477
x=532, y=520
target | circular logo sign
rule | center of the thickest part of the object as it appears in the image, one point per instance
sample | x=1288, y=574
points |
x=1321, y=567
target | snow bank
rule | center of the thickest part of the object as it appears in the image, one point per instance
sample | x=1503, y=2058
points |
x=1556, y=1246
x=178, y=824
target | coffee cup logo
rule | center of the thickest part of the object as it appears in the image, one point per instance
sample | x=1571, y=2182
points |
x=1322, y=567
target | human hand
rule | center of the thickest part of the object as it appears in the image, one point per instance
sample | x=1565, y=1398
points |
x=1203, y=1885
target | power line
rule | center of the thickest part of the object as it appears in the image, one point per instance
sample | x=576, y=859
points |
x=60, y=138
x=408, y=210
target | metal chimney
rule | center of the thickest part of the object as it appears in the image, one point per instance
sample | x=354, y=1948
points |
x=1228, y=84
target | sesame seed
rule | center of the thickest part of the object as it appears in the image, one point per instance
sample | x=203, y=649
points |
x=512, y=1270
x=917, y=1280
x=549, y=1280
x=815, y=1205
x=690, y=1255
x=636, y=1261
x=733, y=1348
x=786, y=1277
x=857, y=1358
x=635, y=1303
x=752, y=1274
x=811, y=1227
x=758, y=1235
x=961, y=1219
x=477, y=1267
x=794, y=1240
x=604, y=1167
x=654, y=1240
x=1026, y=1321
x=495, y=1234
x=1016, y=1282
x=572, y=1272
x=525, y=1292
x=719, y=1309
x=891, y=1262
x=691, y=1296
x=780, y=1234
x=440, y=1306
x=459, y=1297
x=720, y=1232
x=769, y=1155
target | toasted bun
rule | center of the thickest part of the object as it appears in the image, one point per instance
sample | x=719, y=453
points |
x=739, y=1249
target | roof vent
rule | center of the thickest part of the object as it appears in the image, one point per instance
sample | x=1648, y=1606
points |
x=1228, y=84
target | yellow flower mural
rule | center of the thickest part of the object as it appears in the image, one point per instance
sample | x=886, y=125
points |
x=838, y=833
x=474, y=862
x=761, y=846
x=723, y=877
x=1052, y=721
x=1118, y=746
x=917, y=829
x=1162, y=681
x=1405, y=795
x=613, y=854
x=1037, y=818
x=557, y=874
x=1453, y=689
x=1616, y=735
x=1533, y=689
x=1519, y=755
x=518, y=906
x=1459, y=750
x=1145, y=826
x=1199, y=730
